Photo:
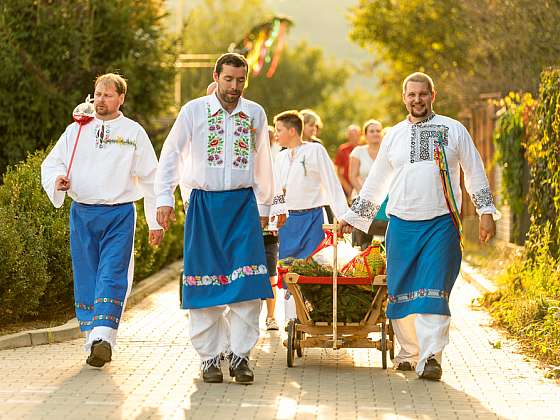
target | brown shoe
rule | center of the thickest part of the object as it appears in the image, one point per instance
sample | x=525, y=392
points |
x=432, y=370
x=404, y=367
x=100, y=353
x=241, y=372
x=212, y=371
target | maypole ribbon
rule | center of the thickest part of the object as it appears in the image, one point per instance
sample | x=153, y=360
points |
x=82, y=114
x=441, y=160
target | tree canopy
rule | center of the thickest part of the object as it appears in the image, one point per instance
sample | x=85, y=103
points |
x=305, y=78
x=468, y=47
x=52, y=52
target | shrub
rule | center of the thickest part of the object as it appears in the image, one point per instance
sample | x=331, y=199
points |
x=23, y=267
x=528, y=302
x=35, y=264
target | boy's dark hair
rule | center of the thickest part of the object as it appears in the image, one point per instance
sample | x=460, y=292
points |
x=231, y=59
x=291, y=118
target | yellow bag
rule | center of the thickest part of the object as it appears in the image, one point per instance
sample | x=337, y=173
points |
x=369, y=263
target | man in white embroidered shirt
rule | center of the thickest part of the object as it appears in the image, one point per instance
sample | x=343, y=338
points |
x=419, y=166
x=114, y=164
x=222, y=140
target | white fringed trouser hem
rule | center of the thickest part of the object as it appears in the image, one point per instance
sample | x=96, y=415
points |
x=107, y=334
x=420, y=337
x=225, y=329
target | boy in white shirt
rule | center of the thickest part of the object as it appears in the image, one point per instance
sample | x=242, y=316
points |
x=309, y=182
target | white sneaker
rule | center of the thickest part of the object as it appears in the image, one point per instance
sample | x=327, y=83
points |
x=271, y=324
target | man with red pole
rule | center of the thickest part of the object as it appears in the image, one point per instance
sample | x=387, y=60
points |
x=104, y=162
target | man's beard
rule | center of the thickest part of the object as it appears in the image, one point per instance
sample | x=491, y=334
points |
x=228, y=97
x=424, y=113
x=101, y=111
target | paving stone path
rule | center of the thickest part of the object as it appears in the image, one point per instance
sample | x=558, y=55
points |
x=155, y=375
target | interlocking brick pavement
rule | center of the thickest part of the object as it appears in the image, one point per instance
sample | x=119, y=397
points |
x=155, y=375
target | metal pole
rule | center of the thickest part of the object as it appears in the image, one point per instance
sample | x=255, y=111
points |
x=335, y=282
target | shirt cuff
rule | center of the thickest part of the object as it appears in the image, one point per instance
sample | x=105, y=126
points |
x=357, y=221
x=278, y=206
x=165, y=201
x=496, y=214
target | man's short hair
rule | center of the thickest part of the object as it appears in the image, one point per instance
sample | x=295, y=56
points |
x=291, y=118
x=421, y=78
x=310, y=117
x=370, y=122
x=116, y=79
x=231, y=59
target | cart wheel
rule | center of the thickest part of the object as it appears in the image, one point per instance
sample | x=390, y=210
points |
x=299, y=337
x=290, y=348
x=392, y=340
x=383, y=345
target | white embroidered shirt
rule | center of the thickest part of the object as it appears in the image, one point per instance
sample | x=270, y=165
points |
x=213, y=150
x=405, y=168
x=114, y=163
x=309, y=180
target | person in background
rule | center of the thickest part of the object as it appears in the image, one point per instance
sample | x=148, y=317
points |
x=361, y=161
x=342, y=158
x=311, y=125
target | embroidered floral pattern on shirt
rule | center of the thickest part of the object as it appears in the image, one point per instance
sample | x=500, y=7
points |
x=418, y=294
x=423, y=138
x=483, y=198
x=83, y=306
x=109, y=300
x=243, y=140
x=119, y=140
x=364, y=208
x=238, y=273
x=102, y=135
x=103, y=138
x=215, y=147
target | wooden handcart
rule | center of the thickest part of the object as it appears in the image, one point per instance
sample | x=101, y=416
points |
x=304, y=332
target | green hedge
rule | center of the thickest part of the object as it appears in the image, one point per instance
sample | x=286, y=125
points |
x=528, y=301
x=35, y=265
x=510, y=136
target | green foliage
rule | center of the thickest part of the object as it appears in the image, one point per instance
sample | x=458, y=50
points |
x=35, y=264
x=469, y=47
x=543, y=153
x=23, y=267
x=509, y=138
x=305, y=78
x=52, y=52
x=528, y=303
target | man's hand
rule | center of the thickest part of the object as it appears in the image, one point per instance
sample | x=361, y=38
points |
x=344, y=227
x=164, y=215
x=487, y=228
x=264, y=222
x=280, y=220
x=155, y=237
x=62, y=183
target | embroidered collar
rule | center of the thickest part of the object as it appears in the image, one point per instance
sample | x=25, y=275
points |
x=216, y=106
x=424, y=121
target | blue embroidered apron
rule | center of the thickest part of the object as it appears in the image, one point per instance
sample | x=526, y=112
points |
x=301, y=234
x=423, y=262
x=224, y=257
